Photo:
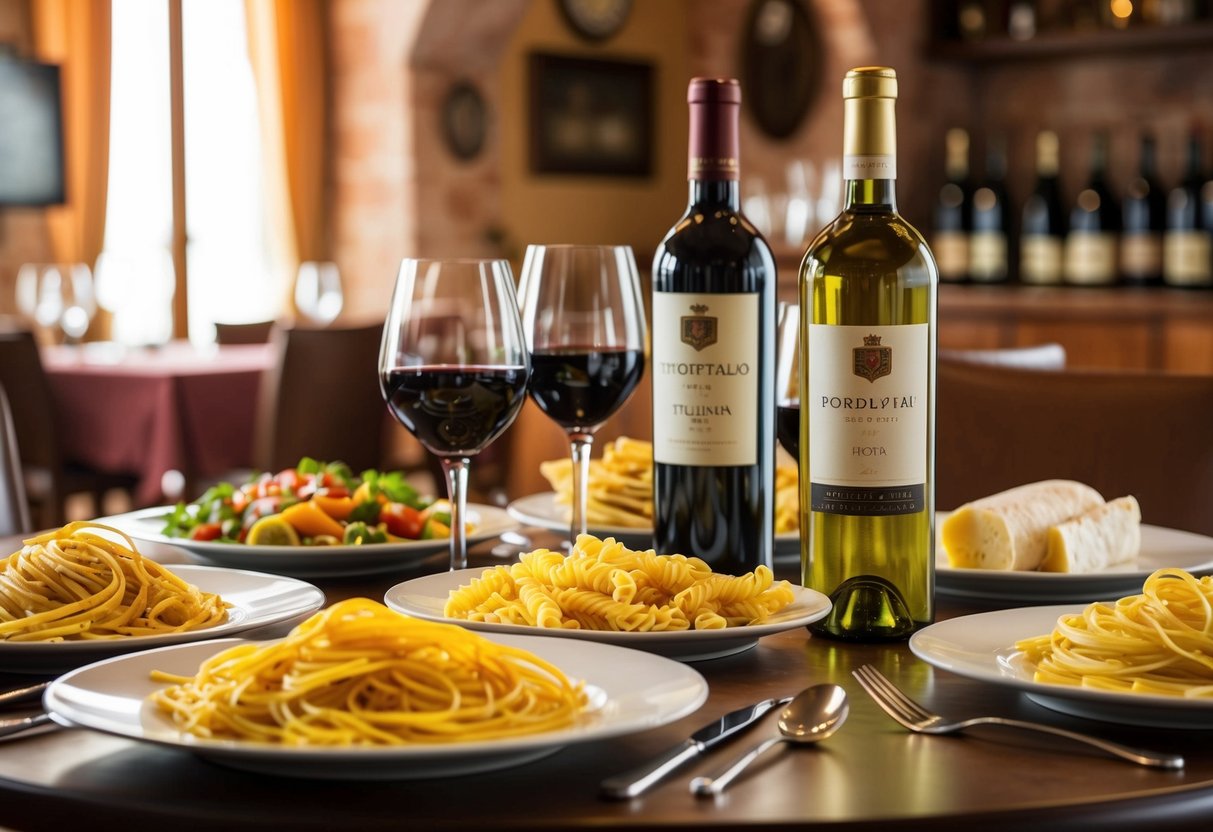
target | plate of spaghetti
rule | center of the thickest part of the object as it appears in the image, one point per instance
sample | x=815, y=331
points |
x=84, y=592
x=603, y=591
x=359, y=691
x=1144, y=659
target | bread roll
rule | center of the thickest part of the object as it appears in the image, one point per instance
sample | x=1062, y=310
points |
x=1009, y=530
x=1104, y=536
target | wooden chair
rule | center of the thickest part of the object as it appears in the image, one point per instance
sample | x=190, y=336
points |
x=254, y=333
x=322, y=399
x=48, y=478
x=1145, y=434
x=14, y=510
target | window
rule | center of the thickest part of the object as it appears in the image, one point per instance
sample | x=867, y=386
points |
x=229, y=268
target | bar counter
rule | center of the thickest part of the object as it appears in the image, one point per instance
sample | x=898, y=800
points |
x=872, y=774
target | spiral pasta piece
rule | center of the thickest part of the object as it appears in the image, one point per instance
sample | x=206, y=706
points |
x=359, y=674
x=603, y=585
x=73, y=585
x=1158, y=642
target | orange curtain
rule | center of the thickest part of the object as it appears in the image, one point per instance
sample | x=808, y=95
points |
x=76, y=35
x=287, y=50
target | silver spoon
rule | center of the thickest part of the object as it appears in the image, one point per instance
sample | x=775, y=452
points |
x=815, y=713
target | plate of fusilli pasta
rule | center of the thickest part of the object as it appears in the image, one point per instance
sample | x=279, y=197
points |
x=671, y=605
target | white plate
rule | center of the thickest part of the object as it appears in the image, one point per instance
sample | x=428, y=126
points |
x=257, y=600
x=543, y=511
x=302, y=561
x=982, y=647
x=425, y=597
x=634, y=692
x=1160, y=547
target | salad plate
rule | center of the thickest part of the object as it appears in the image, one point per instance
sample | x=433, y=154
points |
x=146, y=526
x=1160, y=547
x=982, y=647
x=629, y=692
x=426, y=596
x=542, y=510
x=256, y=599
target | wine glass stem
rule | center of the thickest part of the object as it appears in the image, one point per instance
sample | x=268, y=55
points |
x=456, y=469
x=580, y=445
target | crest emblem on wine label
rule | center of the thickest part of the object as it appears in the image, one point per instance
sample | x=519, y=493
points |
x=698, y=330
x=871, y=361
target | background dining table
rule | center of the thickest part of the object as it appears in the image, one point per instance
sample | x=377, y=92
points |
x=148, y=411
x=872, y=774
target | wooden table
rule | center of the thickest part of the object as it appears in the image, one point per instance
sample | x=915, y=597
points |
x=151, y=411
x=871, y=775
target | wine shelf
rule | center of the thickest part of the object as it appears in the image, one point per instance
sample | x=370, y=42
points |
x=1067, y=45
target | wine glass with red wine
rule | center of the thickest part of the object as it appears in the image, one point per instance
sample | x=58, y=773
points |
x=453, y=366
x=787, y=379
x=583, y=315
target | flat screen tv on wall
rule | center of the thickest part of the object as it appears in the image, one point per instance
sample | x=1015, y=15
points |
x=31, y=134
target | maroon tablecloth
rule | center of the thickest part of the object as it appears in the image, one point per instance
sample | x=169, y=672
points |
x=147, y=412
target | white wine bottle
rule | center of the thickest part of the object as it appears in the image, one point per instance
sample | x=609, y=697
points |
x=868, y=296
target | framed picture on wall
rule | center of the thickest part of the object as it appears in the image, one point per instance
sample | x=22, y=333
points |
x=590, y=116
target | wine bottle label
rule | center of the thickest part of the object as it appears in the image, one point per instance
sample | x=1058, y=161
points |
x=1090, y=258
x=1188, y=258
x=705, y=378
x=1141, y=255
x=951, y=250
x=988, y=256
x=872, y=166
x=868, y=409
x=1040, y=259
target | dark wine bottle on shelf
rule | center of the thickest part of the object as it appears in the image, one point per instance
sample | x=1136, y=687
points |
x=1145, y=215
x=1188, y=241
x=988, y=252
x=713, y=347
x=1092, y=244
x=868, y=294
x=953, y=221
x=1043, y=224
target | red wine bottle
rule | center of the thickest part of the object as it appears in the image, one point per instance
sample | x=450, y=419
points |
x=714, y=358
x=1145, y=217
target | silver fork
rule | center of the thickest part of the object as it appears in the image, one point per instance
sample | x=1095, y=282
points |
x=921, y=721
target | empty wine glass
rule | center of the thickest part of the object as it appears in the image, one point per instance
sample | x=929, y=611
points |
x=57, y=296
x=583, y=316
x=787, y=379
x=318, y=293
x=453, y=365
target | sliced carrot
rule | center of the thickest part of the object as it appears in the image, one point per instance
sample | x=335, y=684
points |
x=310, y=520
x=338, y=508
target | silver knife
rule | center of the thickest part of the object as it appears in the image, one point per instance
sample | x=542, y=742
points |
x=638, y=780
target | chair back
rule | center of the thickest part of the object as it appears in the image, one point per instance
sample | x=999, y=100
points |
x=322, y=399
x=14, y=510
x=1145, y=434
x=254, y=333
x=29, y=396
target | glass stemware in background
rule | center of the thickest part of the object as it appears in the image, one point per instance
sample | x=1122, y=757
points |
x=583, y=316
x=318, y=293
x=787, y=379
x=57, y=297
x=453, y=365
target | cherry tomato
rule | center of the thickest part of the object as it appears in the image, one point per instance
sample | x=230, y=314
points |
x=206, y=531
x=401, y=520
x=288, y=479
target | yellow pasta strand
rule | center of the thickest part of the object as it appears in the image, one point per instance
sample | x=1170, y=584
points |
x=1158, y=642
x=603, y=585
x=359, y=674
x=71, y=584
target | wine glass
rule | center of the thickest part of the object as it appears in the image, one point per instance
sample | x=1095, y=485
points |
x=787, y=379
x=583, y=315
x=453, y=365
x=318, y=293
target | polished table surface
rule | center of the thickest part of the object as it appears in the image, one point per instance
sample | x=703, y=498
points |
x=871, y=775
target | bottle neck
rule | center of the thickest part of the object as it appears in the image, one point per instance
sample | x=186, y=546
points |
x=719, y=193
x=871, y=193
